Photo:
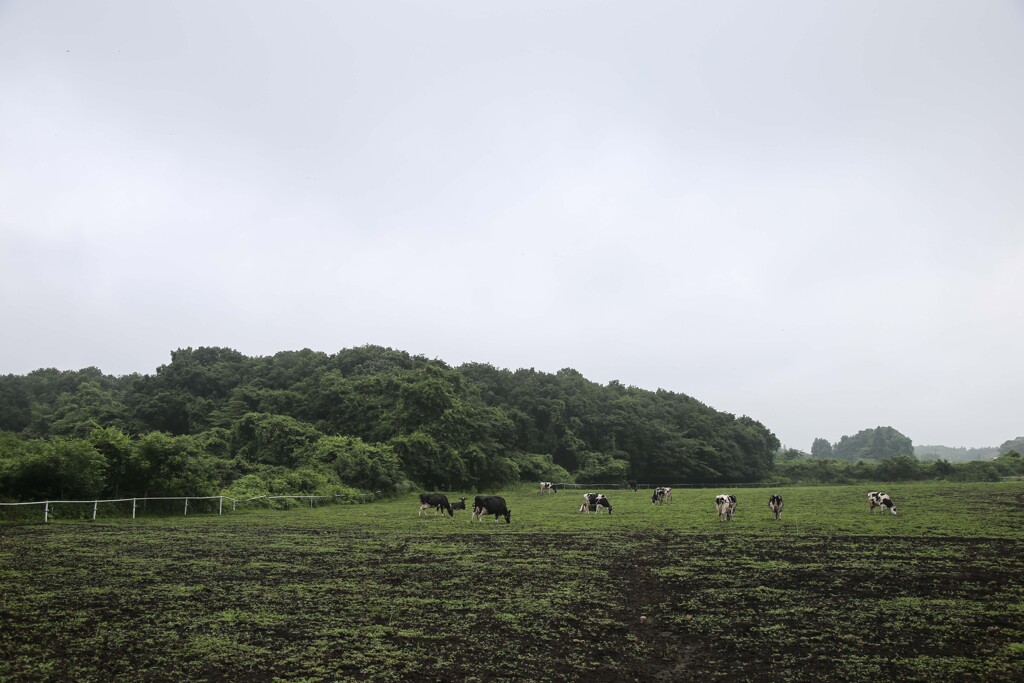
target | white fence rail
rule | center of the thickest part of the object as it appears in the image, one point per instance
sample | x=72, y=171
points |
x=48, y=505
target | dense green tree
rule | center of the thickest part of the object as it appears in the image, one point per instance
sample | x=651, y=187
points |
x=899, y=468
x=1012, y=445
x=430, y=463
x=15, y=404
x=176, y=466
x=53, y=470
x=821, y=448
x=602, y=468
x=539, y=467
x=873, y=444
x=272, y=439
x=126, y=470
x=373, y=467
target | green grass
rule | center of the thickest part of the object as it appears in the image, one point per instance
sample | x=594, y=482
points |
x=376, y=592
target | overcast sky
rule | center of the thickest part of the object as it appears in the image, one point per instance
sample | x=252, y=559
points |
x=811, y=213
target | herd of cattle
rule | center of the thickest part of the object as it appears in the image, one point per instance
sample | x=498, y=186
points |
x=596, y=502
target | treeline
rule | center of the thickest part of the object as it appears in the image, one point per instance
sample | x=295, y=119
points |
x=791, y=467
x=867, y=444
x=369, y=418
x=965, y=454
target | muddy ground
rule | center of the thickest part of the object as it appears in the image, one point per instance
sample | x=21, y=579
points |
x=95, y=602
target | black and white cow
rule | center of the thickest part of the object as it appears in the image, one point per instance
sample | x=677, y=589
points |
x=460, y=505
x=490, y=505
x=775, y=505
x=631, y=485
x=593, y=502
x=662, y=494
x=548, y=487
x=877, y=499
x=437, y=501
x=726, y=504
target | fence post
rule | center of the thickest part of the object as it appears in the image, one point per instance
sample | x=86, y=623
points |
x=220, y=508
x=133, y=507
x=186, y=507
x=311, y=502
x=95, y=504
x=46, y=512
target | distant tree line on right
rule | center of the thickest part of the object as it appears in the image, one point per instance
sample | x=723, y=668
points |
x=884, y=454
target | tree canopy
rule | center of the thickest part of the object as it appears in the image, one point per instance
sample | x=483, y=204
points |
x=873, y=444
x=368, y=417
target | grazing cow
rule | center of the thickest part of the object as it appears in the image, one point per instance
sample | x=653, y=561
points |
x=437, y=501
x=631, y=485
x=662, y=494
x=593, y=502
x=491, y=505
x=880, y=500
x=548, y=487
x=461, y=505
x=726, y=504
x=775, y=505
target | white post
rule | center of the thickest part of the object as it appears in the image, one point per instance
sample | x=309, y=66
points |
x=95, y=504
x=133, y=507
x=311, y=501
x=46, y=512
x=234, y=503
x=186, y=507
x=220, y=508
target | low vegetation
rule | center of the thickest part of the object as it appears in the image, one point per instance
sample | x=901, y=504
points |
x=376, y=592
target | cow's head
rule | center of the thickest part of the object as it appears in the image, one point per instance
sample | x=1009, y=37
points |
x=508, y=516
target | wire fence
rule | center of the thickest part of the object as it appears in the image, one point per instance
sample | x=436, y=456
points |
x=186, y=505
x=161, y=505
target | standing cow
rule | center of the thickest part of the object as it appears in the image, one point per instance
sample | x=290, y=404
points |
x=775, y=505
x=490, y=505
x=726, y=504
x=662, y=494
x=631, y=485
x=547, y=487
x=877, y=499
x=437, y=501
x=594, y=502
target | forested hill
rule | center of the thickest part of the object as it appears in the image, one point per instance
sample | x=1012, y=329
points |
x=377, y=418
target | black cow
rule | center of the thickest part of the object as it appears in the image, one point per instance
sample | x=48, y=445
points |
x=491, y=505
x=775, y=505
x=437, y=501
x=461, y=505
x=593, y=502
x=631, y=485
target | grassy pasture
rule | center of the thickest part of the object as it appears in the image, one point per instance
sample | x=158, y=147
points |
x=376, y=592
